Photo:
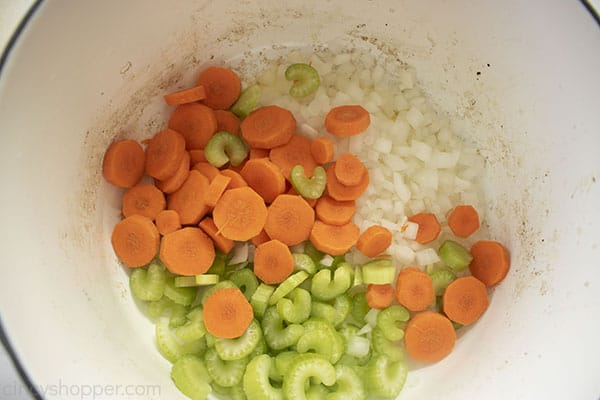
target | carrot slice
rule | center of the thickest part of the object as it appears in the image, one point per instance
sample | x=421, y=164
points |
x=259, y=153
x=215, y=189
x=268, y=127
x=143, y=199
x=196, y=122
x=289, y=219
x=261, y=238
x=135, y=240
x=273, y=262
x=196, y=156
x=164, y=153
x=350, y=120
x=465, y=300
x=187, y=251
x=240, y=214
x=429, y=337
x=167, y=221
x=311, y=202
x=295, y=152
x=334, y=212
x=379, y=296
x=188, y=200
x=429, y=227
x=184, y=96
x=223, y=87
x=207, y=169
x=414, y=289
x=332, y=239
x=322, y=150
x=123, y=163
x=463, y=220
x=236, y=179
x=223, y=244
x=349, y=169
x=375, y=240
x=264, y=177
x=227, y=313
x=342, y=192
x=227, y=121
x=174, y=182
x=491, y=262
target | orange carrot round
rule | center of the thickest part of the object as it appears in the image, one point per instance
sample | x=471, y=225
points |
x=264, y=177
x=184, y=96
x=379, y=296
x=273, y=262
x=236, y=179
x=268, y=127
x=349, y=169
x=335, y=212
x=223, y=87
x=463, y=220
x=289, y=219
x=187, y=251
x=167, y=221
x=227, y=121
x=295, y=152
x=143, y=199
x=311, y=202
x=215, y=189
x=240, y=214
x=174, y=182
x=164, y=154
x=465, y=300
x=322, y=150
x=123, y=163
x=135, y=240
x=261, y=238
x=196, y=122
x=223, y=244
x=429, y=337
x=332, y=239
x=342, y=192
x=429, y=227
x=258, y=153
x=188, y=200
x=491, y=262
x=196, y=156
x=344, y=121
x=207, y=169
x=374, y=241
x=414, y=289
x=227, y=313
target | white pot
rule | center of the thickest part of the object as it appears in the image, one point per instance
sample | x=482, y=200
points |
x=83, y=73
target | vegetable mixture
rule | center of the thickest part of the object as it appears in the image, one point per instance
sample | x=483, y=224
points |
x=251, y=252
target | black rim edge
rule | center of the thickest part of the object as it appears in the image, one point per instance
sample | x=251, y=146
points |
x=592, y=11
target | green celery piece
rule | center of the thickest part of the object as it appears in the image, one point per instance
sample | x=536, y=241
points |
x=224, y=373
x=382, y=345
x=441, y=278
x=321, y=341
x=256, y=382
x=392, y=321
x=310, y=188
x=322, y=310
x=311, y=251
x=170, y=346
x=454, y=255
x=295, y=308
x=245, y=280
x=247, y=102
x=276, y=335
x=360, y=308
x=304, y=368
x=305, y=79
x=225, y=147
x=385, y=377
x=194, y=328
x=260, y=299
x=148, y=284
x=349, y=385
x=342, y=306
x=191, y=377
x=180, y=295
x=218, y=265
x=238, y=348
x=325, y=288
x=289, y=284
x=379, y=272
x=303, y=262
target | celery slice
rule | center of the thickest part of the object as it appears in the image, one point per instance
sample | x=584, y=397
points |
x=384, y=377
x=178, y=315
x=303, y=262
x=170, y=346
x=276, y=336
x=309, y=188
x=155, y=309
x=454, y=255
x=148, y=284
x=441, y=278
x=342, y=306
x=185, y=281
x=247, y=101
x=378, y=272
x=190, y=376
x=285, y=287
x=246, y=280
x=225, y=147
x=283, y=361
x=238, y=348
x=360, y=308
x=260, y=299
x=325, y=288
x=218, y=265
x=194, y=328
x=305, y=79
x=392, y=321
x=180, y=295
x=349, y=385
x=301, y=370
x=297, y=308
x=338, y=344
x=317, y=392
x=311, y=251
x=322, y=342
x=382, y=345
x=207, y=279
x=322, y=310
x=256, y=380
x=224, y=373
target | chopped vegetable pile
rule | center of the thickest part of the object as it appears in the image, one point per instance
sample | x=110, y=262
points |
x=243, y=249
